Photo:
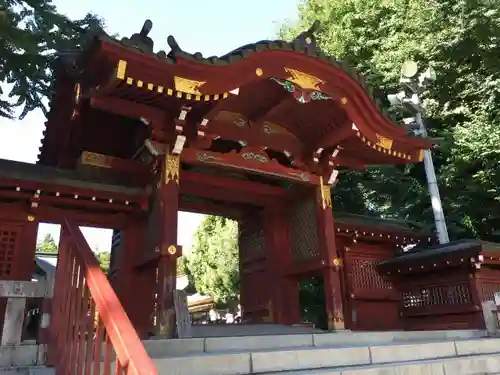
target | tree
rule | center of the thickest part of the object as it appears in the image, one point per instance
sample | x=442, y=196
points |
x=213, y=264
x=48, y=245
x=32, y=31
x=103, y=257
x=460, y=39
x=181, y=266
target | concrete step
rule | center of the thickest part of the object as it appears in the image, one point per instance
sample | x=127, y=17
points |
x=27, y=370
x=233, y=330
x=179, y=347
x=22, y=355
x=476, y=365
x=335, y=359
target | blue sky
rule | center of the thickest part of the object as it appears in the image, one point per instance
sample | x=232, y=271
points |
x=210, y=27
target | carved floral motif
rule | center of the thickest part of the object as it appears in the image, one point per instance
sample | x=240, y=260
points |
x=326, y=194
x=172, y=164
x=300, y=94
x=254, y=156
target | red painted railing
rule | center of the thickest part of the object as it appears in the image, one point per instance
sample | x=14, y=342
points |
x=90, y=332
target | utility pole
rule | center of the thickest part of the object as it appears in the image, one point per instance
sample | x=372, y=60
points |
x=409, y=98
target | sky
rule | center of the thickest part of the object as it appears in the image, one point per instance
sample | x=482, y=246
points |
x=211, y=27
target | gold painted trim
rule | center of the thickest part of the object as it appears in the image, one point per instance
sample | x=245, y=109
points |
x=184, y=88
x=326, y=194
x=172, y=164
x=421, y=155
x=383, y=145
x=384, y=142
x=121, y=69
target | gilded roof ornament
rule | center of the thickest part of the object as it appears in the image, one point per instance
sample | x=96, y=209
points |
x=304, y=80
x=188, y=86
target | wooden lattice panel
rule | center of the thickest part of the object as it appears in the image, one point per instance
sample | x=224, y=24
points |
x=458, y=294
x=8, y=242
x=304, y=230
x=487, y=290
x=251, y=242
x=364, y=275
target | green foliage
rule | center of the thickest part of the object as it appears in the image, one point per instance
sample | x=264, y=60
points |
x=32, y=31
x=460, y=38
x=312, y=302
x=212, y=266
x=181, y=266
x=103, y=258
x=48, y=245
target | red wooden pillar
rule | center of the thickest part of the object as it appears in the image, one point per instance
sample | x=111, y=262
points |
x=284, y=307
x=130, y=278
x=169, y=250
x=330, y=258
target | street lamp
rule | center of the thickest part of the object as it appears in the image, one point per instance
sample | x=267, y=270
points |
x=409, y=99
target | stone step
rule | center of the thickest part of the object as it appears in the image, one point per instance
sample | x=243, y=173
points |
x=234, y=330
x=28, y=370
x=179, y=347
x=22, y=355
x=334, y=358
x=472, y=365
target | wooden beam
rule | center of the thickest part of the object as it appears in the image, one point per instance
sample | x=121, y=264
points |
x=126, y=108
x=228, y=190
x=247, y=187
x=334, y=137
x=118, y=164
x=255, y=136
x=250, y=161
x=54, y=215
x=257, y=116
x=211, y=208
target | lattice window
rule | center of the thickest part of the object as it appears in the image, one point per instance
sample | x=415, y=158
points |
x=458, y=294
x=8, y=238
x=304, y=230
x=488, y=290
x=251, y=242
x=365, y=276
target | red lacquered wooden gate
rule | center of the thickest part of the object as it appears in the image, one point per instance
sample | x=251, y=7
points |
x=372, y=302
x=90, y=331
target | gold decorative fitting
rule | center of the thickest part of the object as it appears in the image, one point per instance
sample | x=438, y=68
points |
x=326, y=194
x=172, y=250
x=188, y=86
x=121, y=69
x=384, y=142
x=31, y=218
x=421, y=155
x=259, y=72
x=337, y=262
x=172, y=164
x=343, y=100
x=78, y=91
x=304, y=80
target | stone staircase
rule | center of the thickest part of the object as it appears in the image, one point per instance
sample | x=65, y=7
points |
x=25, y=359
x=374, y=353
x=342, y=353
